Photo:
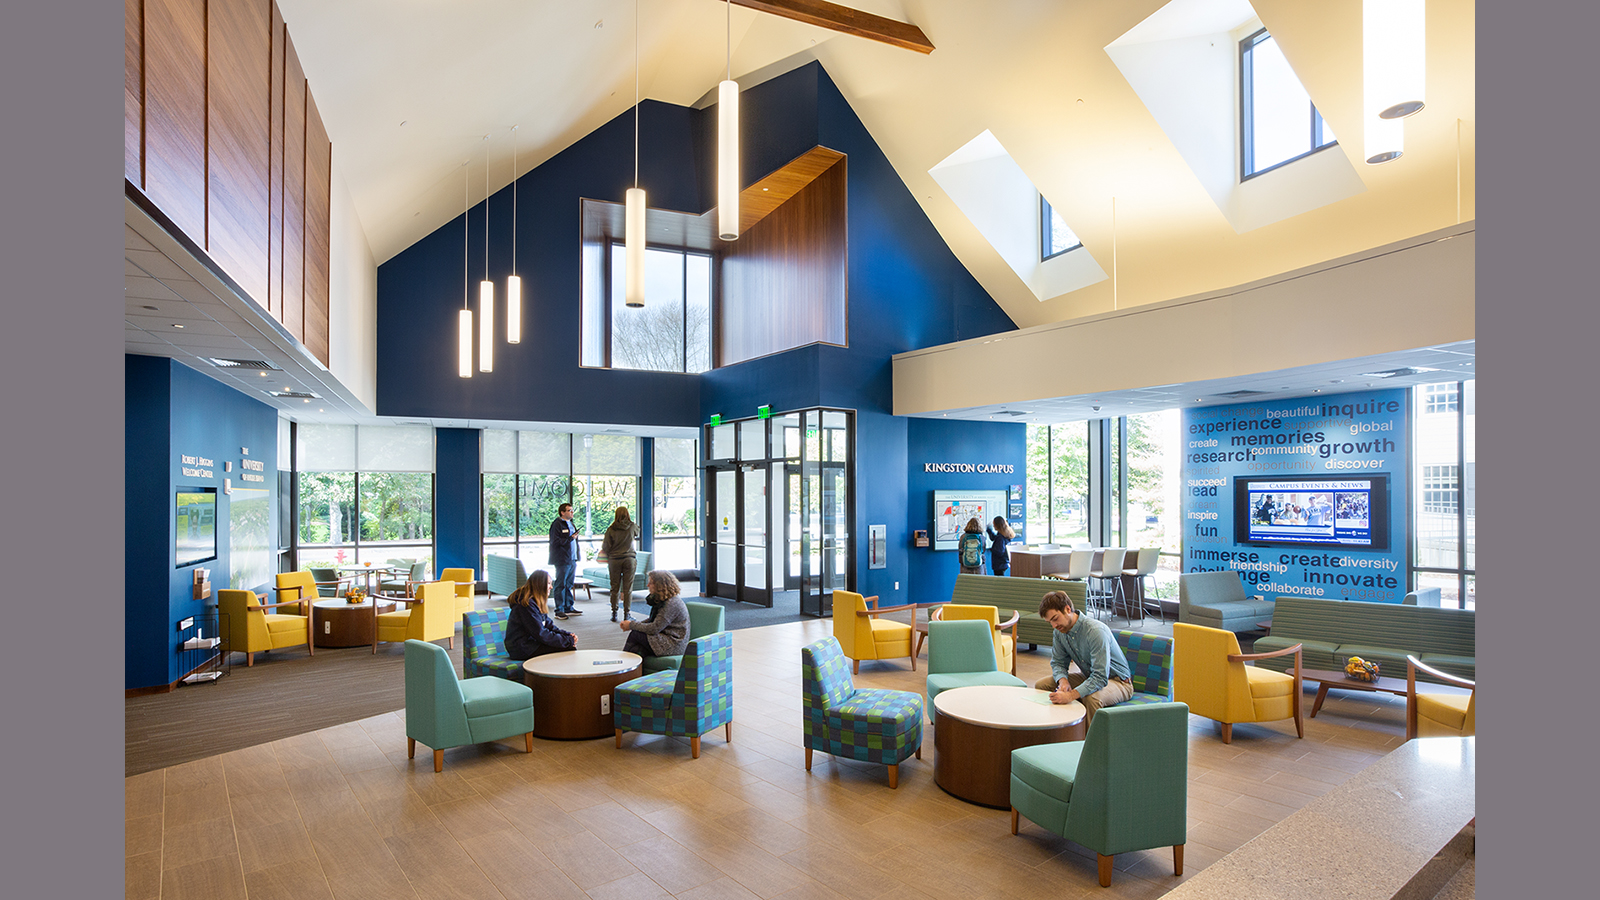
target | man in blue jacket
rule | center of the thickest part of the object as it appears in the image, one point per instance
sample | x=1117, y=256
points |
x=564, y=556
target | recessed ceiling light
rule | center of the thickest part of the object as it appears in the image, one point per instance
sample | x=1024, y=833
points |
x=148, y=307
x=176, y=325
x=1337, y=381
x=1316, y=390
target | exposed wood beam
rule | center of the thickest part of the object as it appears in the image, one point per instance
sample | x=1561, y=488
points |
x=843, y=19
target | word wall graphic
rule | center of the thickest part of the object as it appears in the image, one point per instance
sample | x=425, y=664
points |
x=1303, y=497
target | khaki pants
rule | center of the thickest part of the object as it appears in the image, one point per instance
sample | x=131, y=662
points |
x=621, y=572
x=1113, y=693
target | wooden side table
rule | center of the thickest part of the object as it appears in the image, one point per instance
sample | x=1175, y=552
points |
x=336, y=623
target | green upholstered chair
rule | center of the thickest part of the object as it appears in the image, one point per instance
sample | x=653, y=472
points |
x=961, y=654
x=442, y=712
x=704, y=619
x=329, y=584
x=416, y=574
x=483, y=636
x=1123, y=788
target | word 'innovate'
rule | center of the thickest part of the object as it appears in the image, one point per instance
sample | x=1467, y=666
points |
x=969, y=467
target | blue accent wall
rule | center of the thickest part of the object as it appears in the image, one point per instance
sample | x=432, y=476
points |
x=943, y=441
x=457, y=499
x=172, y=411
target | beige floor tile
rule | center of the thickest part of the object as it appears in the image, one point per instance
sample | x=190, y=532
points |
x=270, y=846
x=470, y=816
x=587, y=860
x=141, y=835
x=511, y=862
x=212, y=879
x=841, y=871
x=333, y=814
x=142, y=876
x=757, y=870
x=267, y=808
x=142, y=794
x=296, y=879
x=616, y=826
x=634, y=887
x=721, y=889
x=194, y=806
x=198, y=841
x=670, y=864
x=200, y=775
x=360, y=867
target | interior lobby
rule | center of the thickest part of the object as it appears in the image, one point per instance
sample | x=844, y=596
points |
x=1056, y=262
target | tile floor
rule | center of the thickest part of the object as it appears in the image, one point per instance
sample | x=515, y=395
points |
x=341, y=813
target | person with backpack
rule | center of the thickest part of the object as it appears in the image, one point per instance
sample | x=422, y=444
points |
x=970, y=548
x=1000, y=551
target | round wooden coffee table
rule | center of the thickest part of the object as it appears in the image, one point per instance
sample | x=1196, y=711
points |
x=979, y=726
x=572, y=691
x=336, y=623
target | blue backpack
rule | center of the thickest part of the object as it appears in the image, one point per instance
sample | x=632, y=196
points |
x=971, y=550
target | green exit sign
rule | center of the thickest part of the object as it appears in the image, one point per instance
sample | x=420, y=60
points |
x=764, y=412
x=716, y=419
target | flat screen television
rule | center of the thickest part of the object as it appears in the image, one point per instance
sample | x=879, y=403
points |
x=953, y=509
x=1349, y=512
x=196, y=537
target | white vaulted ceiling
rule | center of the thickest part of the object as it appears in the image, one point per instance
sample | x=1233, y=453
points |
x=1034, y=74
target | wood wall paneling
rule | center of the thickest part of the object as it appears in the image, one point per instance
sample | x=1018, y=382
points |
x=133, y=92
x=275, y=171
x=319, y=175
x=784, y=280
x=292, y=314
x=238, y=142
x=175, y=111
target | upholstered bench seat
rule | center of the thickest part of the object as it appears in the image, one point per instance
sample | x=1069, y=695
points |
x=485, y=697
x=1048, y=768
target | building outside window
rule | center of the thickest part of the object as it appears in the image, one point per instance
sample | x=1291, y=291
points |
x=365, y=494
x=671, y=333
x=1277, y=121
x=1055, y=238
x=527, y=475
x=1444, y=518
x=677, y=504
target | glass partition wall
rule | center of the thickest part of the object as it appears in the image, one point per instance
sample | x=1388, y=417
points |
x=779, y=506
x=527, y=475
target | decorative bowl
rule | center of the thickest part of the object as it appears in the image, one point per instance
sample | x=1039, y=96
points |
x=1361, y=670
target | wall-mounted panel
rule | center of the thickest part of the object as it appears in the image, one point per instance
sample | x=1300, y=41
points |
x=319, y=177
x=784, y=280
x=292, y=313
x=275, y=170
x=133, y=92
x=175, y=111
x=238, y=73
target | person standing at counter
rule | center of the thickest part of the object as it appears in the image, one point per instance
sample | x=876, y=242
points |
x=529, y=631
x=1001, y=536
x=564, y=556
x=666, y=632
x=617, y=550
x=969, y=548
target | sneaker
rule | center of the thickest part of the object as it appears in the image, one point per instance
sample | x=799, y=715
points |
x=561, y=615
x=574, y=612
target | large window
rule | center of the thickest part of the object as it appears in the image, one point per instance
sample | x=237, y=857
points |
x=1444, y=474
x=671, y=332
x=365, y=494
x=527, y=475
x=1058, y=483
x=1278, y=122
x=1055, y=238
x=677, y=504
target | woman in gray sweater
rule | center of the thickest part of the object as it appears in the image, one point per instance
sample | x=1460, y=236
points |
x=666, y=632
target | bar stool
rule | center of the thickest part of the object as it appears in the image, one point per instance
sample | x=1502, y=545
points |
x=1111, y=559
x=1077, y=566
x=1148, y=558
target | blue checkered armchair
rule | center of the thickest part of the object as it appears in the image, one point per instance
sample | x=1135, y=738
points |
x=483, y=635
x=875, y=726
x=688, y=701
x=1150, y=660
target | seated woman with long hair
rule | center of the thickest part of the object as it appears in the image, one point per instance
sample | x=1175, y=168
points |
x=666, y=632
x=529, y=631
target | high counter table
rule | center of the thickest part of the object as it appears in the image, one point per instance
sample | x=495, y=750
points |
x=1365, y=838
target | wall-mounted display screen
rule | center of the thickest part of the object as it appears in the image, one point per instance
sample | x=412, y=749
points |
x=1351, y=512
x=196, y=539
x=952, y=510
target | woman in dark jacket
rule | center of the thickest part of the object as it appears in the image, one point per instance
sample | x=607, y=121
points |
x=666, y=632
x=999, y=552
x=617, y=549
x=529, y=631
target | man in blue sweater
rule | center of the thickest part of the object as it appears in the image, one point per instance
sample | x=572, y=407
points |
x=1103, y=677
x=564, y=556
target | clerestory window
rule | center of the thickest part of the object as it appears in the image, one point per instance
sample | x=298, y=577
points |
x=1278, y=122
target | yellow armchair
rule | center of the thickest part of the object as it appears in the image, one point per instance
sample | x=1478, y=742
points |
x=429, y=616
x=1209, y=674
x=466, y=582
x=862, y=635
x=1438, y=715
x=253, y=628
x=1005, y=645
x=296, y=591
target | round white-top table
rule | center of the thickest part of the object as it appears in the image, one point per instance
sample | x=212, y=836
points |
x=979, y=726
x=572, y=691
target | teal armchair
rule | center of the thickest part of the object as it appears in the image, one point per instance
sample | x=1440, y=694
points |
x=1123, y=788
x=442, y=712
x=961, y=654
x=704, y=619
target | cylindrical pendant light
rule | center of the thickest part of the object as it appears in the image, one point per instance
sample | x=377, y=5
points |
x=1384, y=139
x=464, y=318
x=514, y=282
x=486, y=287
x=1394, y=56
x=633, y=235
x=728, y=147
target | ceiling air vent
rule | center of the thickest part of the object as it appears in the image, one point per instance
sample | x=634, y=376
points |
x=1408, y=370
x=295, y=395
x=1234, y=395
x=1012, y=412
x=240, y=363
